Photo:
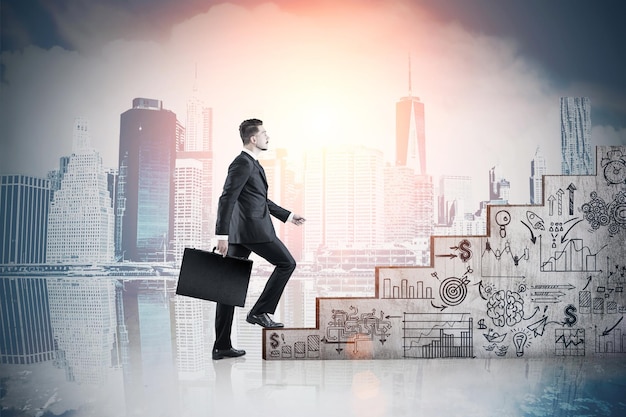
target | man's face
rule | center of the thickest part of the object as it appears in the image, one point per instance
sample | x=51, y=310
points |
x=261, y=139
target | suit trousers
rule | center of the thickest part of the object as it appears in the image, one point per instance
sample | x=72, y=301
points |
x=278, y=255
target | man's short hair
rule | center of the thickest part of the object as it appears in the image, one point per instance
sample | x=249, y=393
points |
x=249, y=128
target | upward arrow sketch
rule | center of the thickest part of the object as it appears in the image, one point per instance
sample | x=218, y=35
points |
x=560, y=193
x=551, y=204
x=571, y=188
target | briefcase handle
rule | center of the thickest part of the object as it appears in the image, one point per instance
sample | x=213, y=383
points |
x=230, y=256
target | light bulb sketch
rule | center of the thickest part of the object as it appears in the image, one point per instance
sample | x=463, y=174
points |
x=519, y=341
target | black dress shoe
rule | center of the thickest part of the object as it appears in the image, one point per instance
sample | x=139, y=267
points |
x=263, y=320
x=227, y=353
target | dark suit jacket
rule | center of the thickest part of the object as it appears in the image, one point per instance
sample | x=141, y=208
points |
x=243, y=211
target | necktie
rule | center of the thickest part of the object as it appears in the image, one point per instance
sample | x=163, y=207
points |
x=258, y=164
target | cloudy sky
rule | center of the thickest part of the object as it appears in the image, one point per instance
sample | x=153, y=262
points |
x=490, y=74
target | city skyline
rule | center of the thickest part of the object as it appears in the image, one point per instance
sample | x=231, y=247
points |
x=487, y=101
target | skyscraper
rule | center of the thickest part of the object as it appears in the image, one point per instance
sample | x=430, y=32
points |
x=537, y=170
x=455, y=198
x=400, y=224
x=25, y=329
x=82, y=313
x=24, y=205
x=285, y=191
x=187, y=205
x=576, y=136
x=499, y=188
x=344, y=194
x=424, y=195
x=410, y=132
x=198, y=144
x=145, y=197
x=81, y=220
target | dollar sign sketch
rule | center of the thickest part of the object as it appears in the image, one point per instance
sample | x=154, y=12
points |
x=274, y=342
x=571, y=318
x=466, y=253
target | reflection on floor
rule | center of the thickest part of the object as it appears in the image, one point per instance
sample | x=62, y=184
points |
x=250, y=386
x=568, y=387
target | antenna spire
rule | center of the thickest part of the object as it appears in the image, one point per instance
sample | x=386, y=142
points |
x=410, y=92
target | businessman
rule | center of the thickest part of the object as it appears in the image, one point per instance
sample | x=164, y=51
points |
x=243, y=226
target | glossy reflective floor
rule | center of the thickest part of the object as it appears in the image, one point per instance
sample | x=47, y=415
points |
x=250, y=386
x=567, y=387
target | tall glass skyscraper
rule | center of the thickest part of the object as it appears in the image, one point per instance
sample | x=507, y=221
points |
x=24, y=205
x=145, y=194
x=198, y=144
x=537, y=170
x=576, y=136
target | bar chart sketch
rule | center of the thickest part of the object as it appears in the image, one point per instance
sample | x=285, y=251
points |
x=417, y=291
x=438, y=335
x=610, y=340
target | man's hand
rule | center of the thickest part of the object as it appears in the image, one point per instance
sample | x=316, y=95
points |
x=298, y=220
x=222, y=246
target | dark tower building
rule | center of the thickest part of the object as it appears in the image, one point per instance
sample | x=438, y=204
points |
x=25, y=329
x=410, y=132
x=24, y=206
x=145, y=194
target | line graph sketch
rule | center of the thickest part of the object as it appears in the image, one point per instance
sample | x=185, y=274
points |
x=575, y=256
x=569, y=342
x=438, y=335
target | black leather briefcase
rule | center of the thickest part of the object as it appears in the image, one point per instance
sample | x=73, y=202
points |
x=211, y=276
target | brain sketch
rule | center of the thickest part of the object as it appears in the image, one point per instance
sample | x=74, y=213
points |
x=505, y=308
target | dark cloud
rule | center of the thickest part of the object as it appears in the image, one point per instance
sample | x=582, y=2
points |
x=580, y=43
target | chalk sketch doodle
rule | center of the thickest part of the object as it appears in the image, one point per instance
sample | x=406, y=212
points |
x=535, y=221
x=611, y=340
x=614, y=167
x=503, y=218
x=299, y=350
x=520, y=342
x=353, y=328
x=548, y=293
x=571, y=318
x=609, y=292
x=539, y=327
x=497, y=253
x=559, y=200
x=516, y=257
x=617, y=274
x=505, y=307
x=612, y=215
x=453, y=290
x=588, y=304
x=438, y=335
x=485, y=290
x=559, y=228
x=573, y=257
x=494, y=339
x=463, y=247
x=571, y=188
x=569, y=342
x=419, y=291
